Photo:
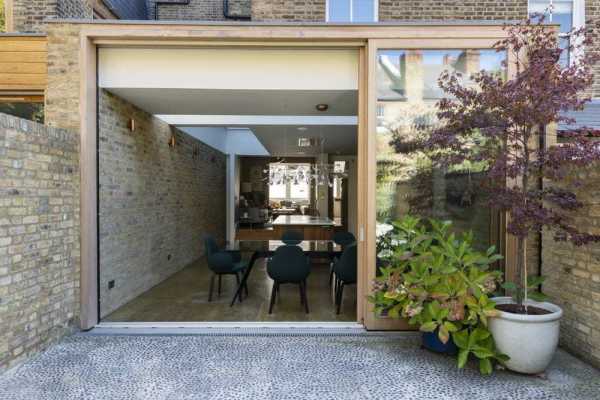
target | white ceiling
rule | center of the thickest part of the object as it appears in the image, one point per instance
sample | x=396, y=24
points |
x=240, y=102
x=283, y=140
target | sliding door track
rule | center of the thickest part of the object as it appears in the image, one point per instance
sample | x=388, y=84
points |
x=230, y=328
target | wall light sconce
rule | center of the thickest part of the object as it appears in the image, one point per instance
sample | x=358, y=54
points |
x=131, y=125
x=172, y=141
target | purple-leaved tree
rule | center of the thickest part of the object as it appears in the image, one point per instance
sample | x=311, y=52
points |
x=502, y=123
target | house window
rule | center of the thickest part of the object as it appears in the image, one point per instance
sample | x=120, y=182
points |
x=285, y=186
x=352, y=10
x=569, y=14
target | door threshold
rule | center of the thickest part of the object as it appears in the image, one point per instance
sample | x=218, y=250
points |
x=228, y=328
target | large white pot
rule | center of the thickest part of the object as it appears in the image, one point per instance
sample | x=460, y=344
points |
x=529, y=340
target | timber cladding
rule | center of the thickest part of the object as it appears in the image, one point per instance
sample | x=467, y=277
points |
x=23, y=63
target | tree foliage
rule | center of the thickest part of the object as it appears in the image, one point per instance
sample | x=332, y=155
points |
x=501, y=121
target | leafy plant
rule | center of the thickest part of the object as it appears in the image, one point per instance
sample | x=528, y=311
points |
x=438, y=281
x=502, y=123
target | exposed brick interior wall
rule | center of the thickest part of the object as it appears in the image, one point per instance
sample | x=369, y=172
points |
x=573, y=275
x=592, y=13
x=156, y=202
x=288, y=10
x=390, y=10
x=39, y=237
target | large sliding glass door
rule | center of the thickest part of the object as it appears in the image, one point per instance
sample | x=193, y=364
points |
x=403, y=97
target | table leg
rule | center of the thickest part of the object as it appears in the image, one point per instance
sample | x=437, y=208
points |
x=238, y=292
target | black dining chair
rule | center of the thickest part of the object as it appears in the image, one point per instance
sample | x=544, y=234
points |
x=345, y=270
x=342, y=239
x=292, y=237
x=222, y=262
x=289, y=264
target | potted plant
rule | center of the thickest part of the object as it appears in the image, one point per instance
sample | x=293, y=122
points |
x=502, y=123
x=437, y=281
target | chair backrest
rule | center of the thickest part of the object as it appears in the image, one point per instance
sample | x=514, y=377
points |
x=210, y=246
x=289, y=264
x=292, y=237
x=345, y=268
x=254, y=214
x=344, y=238
x=220, y=261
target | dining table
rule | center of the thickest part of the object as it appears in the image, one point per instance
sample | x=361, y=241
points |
x=266, y=248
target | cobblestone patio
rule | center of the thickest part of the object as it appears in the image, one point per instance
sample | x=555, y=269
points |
x=276, y=367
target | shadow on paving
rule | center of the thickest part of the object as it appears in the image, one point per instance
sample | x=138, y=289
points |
x=276, y=367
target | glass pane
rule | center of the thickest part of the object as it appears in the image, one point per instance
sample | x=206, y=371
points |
x=363, y=11
x=407, y=183
x=339, y=10
x=31, y=111
x=277, y=189
x=562, y=13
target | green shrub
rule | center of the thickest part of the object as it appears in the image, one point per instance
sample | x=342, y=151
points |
x=438, y=281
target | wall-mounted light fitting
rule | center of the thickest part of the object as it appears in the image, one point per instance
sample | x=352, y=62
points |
x=172, y=140
x=131, y=124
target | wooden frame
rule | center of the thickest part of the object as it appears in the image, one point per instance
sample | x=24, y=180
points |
x=9, y=16
x=365, y=38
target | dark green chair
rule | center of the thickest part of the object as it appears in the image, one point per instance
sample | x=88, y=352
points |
x=345, y=270
x=291, y=237
x=289, y=264
x=222, y=262
x=342, y=239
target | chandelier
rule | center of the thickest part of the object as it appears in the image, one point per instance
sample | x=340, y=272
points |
x=321, y=174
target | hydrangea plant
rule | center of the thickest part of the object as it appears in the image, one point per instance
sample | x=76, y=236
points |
x=439, y=282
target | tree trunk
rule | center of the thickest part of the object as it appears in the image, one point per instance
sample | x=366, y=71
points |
x=521, y=271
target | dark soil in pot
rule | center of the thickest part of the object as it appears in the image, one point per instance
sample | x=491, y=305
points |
x=517, y=309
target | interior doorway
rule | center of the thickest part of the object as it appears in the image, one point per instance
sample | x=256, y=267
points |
x=194, y=154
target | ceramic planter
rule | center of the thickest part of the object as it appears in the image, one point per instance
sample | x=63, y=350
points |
x=432, y=342
x=529, y=340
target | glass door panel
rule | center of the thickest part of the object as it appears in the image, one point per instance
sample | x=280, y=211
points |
x=406, y=94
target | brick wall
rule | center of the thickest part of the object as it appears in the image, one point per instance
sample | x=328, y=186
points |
x=390, y=10
x=79, y=9
x=29, y=15
x=201, y=10
x=288, y=10
x=39, y=237
x=592, y=13
x=573, y=275
x=62, y=92
x=156, y=202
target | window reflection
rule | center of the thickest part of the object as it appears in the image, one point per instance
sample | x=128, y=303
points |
x=407, y=182
x=33, y=111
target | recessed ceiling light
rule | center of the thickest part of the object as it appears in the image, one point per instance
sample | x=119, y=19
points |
x=302, y=128
x=322, y=107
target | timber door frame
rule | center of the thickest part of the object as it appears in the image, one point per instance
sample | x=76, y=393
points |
x=365, y=38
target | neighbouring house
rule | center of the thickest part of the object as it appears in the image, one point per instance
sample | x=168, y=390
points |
x=131, y=130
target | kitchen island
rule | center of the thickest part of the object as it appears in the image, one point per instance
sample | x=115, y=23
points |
x=313, y=228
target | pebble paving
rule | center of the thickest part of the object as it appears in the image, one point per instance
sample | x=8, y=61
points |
x=276, y=367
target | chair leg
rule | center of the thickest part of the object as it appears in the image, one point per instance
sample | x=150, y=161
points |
x=237, y=281
x=340, y=294
x=303, y=290
x=301, y=294
x=330, y=274
x=273, y=295
x=212, y=285
x=220, y=285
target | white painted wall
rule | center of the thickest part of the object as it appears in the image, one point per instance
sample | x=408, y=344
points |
x=239, y=69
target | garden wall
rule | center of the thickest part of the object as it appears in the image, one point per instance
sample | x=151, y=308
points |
x=39, y=237
x=573, y=275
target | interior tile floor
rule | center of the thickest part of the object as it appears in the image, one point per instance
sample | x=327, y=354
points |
x=277, y=367
x=184, y=297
